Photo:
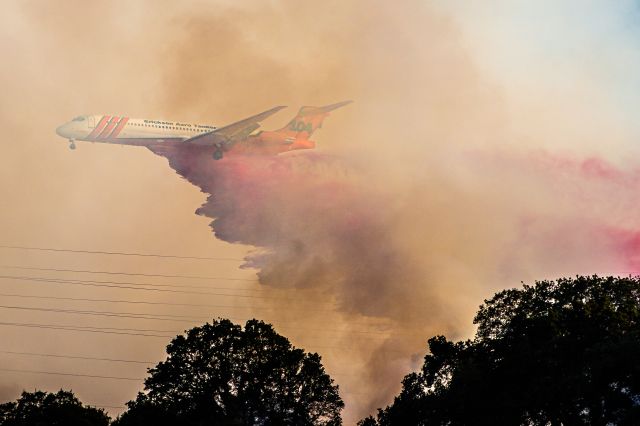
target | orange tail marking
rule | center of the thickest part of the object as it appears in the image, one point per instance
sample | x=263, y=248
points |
x=308, y=120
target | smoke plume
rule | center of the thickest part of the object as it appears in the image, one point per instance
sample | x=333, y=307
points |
x=423, y=208
x=443, y=182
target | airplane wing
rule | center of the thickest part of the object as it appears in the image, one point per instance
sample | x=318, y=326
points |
x=234, y=132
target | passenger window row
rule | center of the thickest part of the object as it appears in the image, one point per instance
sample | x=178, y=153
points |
x=170, y=127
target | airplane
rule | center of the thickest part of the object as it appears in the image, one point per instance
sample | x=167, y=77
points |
x=239, y=137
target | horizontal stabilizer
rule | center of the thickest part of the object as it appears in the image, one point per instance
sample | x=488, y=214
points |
x=334, y=106
x=311, y=110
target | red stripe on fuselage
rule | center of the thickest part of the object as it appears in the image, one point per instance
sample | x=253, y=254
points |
x=112, y=123
x=118, y=129
x=103, y=122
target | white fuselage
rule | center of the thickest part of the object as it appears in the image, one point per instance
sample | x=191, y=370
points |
x=129, y=131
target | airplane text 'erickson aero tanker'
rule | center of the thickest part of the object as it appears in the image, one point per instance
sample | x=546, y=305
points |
x=240, y=137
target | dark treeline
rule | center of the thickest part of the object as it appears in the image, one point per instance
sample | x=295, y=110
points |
x=560, y=352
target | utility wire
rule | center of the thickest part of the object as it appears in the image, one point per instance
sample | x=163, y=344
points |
x=119, y=253
x=145, y=302
x=142, y=284
x=133, y=315
x=143, y=332
x=91, y=327
x=168, y=317
x=44, y=355
x=101, y=330
x=88, y=271
x=168, y=304
x=71, y=374
x=142, y=287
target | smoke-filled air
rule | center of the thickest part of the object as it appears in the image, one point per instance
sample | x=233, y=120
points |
x=470, y=160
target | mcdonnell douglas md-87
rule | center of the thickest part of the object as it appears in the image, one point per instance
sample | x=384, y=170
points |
x=239, y=137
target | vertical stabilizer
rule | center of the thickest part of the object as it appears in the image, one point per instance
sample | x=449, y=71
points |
x=308, y=120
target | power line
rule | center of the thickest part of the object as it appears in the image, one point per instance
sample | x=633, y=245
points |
x=142, y=287
x=119, y=253
x=101, y=330
x=131, y=315
x=127, y=285
x=168, y=317
x=47, y=355
x=140, y=284
x=142, y=302
x=54, y=373
x=95, y=376
x=95, y=284
x=88, y=271
x=91, y=327
x=142, y=332
x=130, y=361
x=309, y=346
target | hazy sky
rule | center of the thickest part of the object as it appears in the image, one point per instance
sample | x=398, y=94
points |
x=488, y=144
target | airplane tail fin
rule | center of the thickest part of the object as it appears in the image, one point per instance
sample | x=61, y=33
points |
x=308, y=120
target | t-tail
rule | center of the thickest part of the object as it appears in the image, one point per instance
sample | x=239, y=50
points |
x=294, y=136
x=308, y=120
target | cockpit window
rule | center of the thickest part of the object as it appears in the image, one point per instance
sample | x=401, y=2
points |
x=80, y=118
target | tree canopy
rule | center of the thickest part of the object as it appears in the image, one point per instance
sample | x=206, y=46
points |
x=50, y=409
x=558, y=352
x=220, y=373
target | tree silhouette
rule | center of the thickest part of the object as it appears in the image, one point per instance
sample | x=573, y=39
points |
x=50, y=409
x=222, y=374
x=564, y=352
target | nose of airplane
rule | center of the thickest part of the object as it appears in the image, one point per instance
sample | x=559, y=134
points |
x=63, y=130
